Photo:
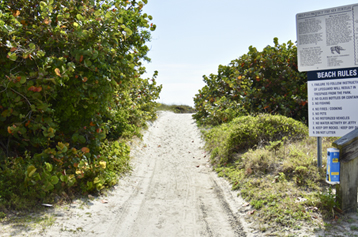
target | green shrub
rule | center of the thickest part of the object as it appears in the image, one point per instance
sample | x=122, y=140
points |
x=25, y=180
x=180, y=109
x=70, y=87
x=256, y=82
x=248, y=132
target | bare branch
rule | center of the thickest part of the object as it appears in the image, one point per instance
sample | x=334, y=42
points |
x=21, y=95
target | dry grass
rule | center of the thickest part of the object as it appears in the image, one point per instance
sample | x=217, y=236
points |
x=281, y=181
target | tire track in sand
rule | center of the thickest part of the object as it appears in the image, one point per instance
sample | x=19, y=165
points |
x=178, y=196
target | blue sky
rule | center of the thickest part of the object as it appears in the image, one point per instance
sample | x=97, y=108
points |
x=194, y=37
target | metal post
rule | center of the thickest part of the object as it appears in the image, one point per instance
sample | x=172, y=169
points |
x=319, y=152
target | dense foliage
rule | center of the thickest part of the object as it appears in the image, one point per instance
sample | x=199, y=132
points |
x=247, y=132
x=70, y=85
x=256, y=82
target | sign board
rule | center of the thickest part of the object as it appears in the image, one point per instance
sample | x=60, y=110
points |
x=332, y=102
x=327, y=39
x=327, y=48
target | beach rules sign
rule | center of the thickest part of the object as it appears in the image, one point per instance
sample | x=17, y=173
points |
x=327, y=49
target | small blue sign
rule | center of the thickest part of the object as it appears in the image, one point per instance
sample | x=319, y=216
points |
x=333, y=165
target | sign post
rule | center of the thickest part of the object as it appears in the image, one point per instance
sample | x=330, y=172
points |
x=319, y=152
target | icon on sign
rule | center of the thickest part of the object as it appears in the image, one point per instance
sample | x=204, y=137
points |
x=337, y=49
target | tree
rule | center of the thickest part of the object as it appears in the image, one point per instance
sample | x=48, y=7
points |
x=256, y=82
x=70, y=76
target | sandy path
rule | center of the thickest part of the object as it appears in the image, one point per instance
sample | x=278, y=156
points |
x=175, y=193
x=171, y=192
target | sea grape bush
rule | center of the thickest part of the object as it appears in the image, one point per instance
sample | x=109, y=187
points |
x=256, y=82
x=70, y=85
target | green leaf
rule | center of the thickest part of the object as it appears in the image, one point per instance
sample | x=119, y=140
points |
x=128, y=31
x=94, y=54
x=48, y=167
x=32, y=46
x=153, y=28
x=48, y=186
x=75, y=137
x=23, y=130
x=108, y=14
x=17, y=99
x=71, y=66
x=88, y=63
x=31, y=170
x=54, y=180
x=43, y=6
x=89, y=185
x=41, y=53
x=64, y=178
x=78, y=56
x=71, y=181
x=79, y=17
x=59, y=17
x=81, y=139
x=23, y=80
x=5, y=113
x=96, y=180
x=61, y=147
x=101, y=136
x=12, y=56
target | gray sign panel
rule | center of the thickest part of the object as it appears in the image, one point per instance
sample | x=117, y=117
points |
x=328, y=38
